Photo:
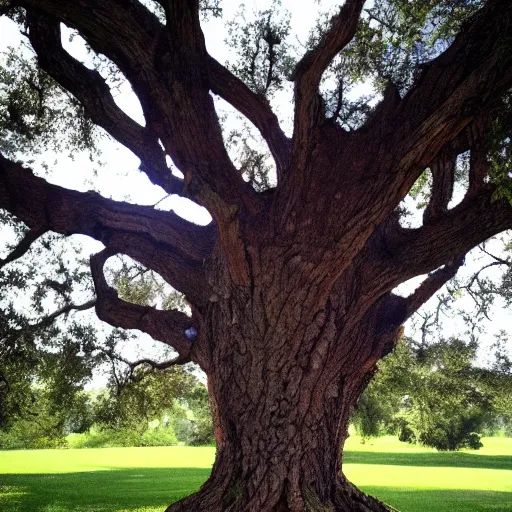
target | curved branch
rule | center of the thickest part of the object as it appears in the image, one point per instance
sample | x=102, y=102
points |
x=48, y=320
x=24, y=246
x=443, y=176
x=161, y=241
x=474, y=220
x=64, y=311
x=309, y=71
x=254, y=107
x=166, y=326
x=94, y=94
x=432, y=284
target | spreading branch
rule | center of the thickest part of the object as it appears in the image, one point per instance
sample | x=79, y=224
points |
x=168, y=71
x=159, y=240
x=166, y=326
x=90, y=89
x=434, y=282
x=443, y=176
x=456, y=232
x=47, y=321
x=24, y=245
x=254, y=107
x=309, y=71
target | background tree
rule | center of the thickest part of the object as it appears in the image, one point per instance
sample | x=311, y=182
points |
x=433, y=394
x=291, y=287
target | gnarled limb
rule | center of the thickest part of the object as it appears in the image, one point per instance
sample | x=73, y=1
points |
x=166, y=326
x=254, y=107
x=434, y=282
x=24, y=245
x=309, y=71
x=91, y=90
x=443, y=176
x=162, y=241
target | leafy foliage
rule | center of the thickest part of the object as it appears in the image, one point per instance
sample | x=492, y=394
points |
x=434, y=395
x=33, y=108
x=264, y=56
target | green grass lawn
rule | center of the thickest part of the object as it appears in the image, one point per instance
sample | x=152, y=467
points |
x=147, y=479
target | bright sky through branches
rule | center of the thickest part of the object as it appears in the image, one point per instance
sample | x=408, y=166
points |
x=119, y=177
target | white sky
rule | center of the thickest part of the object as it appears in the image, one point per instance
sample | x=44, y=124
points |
x=120, y=178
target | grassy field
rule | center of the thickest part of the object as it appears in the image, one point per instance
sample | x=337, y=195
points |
x=147, y=479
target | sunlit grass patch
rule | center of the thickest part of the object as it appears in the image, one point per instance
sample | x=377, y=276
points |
x=408, y=477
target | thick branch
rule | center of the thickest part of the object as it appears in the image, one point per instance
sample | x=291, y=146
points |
x=91, y=90
x=166, y=326
x=453, y=90
x=167, y=68
x=23, y=247
x=461, y=84
x=432, y=284
x=443, y=176
x=473, y=221
x=253, y=106
x=162, y=241
x=309, y=71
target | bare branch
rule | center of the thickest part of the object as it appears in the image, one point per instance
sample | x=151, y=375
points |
x=476, y=276
x=497, y=259
x=163, y=365
x=64, y=311
x=309, y=71
x=91, y=90
x=253, y=106
x=161, y=241
x=166, y=326
x=48, y=320
x=23, y=247
x=432, y=284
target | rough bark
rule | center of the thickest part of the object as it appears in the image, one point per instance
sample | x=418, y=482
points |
x=291, y=289
x=284, y=372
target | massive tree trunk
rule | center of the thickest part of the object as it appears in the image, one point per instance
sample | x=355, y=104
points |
x=285, y=368
x=291, y=289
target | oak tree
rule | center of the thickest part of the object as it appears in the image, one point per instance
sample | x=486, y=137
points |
x=290, y=287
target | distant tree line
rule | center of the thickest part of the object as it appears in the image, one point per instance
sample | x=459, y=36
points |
x=154, y=408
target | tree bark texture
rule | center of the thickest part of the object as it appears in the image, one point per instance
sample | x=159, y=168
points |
x=290, y=289
x=284, y=374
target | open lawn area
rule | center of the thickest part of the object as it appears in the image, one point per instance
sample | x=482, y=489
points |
x=407, y=477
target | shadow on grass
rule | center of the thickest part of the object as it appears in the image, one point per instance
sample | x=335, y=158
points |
x=442, y=500
x=152, y=489
x=439, y=459
x=98, y=491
